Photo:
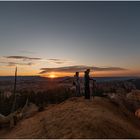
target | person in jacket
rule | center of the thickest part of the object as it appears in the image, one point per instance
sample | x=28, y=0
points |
x=87, y=84
x=77, y=84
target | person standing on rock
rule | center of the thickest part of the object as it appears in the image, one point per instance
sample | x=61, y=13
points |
x=87, y=84
x=77, y=83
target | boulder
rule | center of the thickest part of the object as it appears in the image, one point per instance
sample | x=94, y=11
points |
x=134, y=95
x=3, y=119
x=8, y=121
x=29, y=110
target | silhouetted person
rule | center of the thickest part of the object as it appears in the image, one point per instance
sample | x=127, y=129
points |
x=77, y=83
x=87, y=84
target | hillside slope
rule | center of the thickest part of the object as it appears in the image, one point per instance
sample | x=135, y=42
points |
x=78, y=118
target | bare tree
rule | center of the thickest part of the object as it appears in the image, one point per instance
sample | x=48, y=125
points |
x=14, y=92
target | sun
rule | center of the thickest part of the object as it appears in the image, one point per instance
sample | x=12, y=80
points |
x=52, y=76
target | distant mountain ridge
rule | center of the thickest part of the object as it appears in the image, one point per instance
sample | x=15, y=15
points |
x=11, y=78
x=98, y=79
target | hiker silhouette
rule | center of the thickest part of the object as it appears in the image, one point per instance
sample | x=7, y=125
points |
x=87, y=84
x=77, y=83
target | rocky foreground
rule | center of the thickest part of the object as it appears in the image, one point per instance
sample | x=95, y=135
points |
x=100, y=117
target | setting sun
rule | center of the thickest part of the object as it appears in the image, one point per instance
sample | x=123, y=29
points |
x=52, y=76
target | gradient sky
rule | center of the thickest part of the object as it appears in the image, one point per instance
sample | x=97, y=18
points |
x=99, y=34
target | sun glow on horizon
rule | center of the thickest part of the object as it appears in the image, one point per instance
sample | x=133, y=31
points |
x=52, y=76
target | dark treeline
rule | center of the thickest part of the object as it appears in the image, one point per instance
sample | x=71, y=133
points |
x=59, y=94
x=43, y=98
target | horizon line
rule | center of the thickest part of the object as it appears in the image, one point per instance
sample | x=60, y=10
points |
x=64, y=76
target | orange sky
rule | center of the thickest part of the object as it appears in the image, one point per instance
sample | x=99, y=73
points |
x=94, y=74
x=28, y=71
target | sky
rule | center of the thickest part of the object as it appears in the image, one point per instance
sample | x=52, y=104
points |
x=59, y=38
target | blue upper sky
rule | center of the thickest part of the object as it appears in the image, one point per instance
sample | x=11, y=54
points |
x=101, y=34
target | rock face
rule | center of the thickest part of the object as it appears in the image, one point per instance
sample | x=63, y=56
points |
x=28, y=110
x=134, y=95
x=31, y=110
x=78, y=118
x=133, y=98
x=3, y=119
x=8, y=121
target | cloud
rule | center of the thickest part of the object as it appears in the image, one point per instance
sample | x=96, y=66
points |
x=11, y=64
x=24, y=58
x=30, y=59
x=22, y=64
x=80, y=69
x=57, y=61
x=10, y=61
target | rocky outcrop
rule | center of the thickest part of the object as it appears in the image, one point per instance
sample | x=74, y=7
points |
x=79, y=118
